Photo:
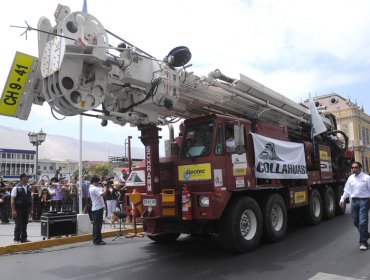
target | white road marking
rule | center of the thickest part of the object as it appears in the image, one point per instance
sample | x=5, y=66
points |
x=326, y=276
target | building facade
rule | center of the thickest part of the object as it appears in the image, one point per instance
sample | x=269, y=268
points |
x=14, y=162
x=352, y=120
x=49, y=168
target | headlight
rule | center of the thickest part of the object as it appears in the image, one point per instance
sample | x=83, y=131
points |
x=203, y=201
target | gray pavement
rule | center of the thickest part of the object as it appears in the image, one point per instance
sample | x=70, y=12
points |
x=33, y=231
x=7, y=244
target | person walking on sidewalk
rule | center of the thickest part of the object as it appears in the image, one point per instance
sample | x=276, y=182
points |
x=97, y=209
x=358, y=189
x=21, y=203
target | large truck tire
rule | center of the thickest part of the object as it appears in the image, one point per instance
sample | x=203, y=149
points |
x=330, y=204
x=312, y=213
x=164, y=238
x=240, y=227
x=275, y=218
x=338, y=194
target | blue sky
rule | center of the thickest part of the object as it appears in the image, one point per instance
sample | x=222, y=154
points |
x=292, y=47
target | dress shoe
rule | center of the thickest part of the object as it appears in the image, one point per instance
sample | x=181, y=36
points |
x=100, y=243
x=25, y=241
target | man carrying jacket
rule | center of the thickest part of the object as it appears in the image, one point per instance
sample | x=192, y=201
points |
x=21, y=203
x=358, y=189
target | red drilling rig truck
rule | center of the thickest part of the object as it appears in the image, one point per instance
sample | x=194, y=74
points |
x=245, y=158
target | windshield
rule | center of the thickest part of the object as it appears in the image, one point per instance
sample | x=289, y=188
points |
x=197, y=140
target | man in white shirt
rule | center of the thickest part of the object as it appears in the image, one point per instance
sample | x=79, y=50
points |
x=230, y=141
x=96, y=194
x=358, y=189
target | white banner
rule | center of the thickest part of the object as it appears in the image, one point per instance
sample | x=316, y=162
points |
x=276, y=159
x=317, y=125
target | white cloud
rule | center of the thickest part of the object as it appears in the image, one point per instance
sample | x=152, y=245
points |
x=293, y=47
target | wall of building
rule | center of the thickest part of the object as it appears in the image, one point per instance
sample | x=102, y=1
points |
x=15, y=162
x=353, y=121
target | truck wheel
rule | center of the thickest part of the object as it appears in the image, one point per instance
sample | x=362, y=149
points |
x=338, y=194
x=240, y=227
x=164, y=238
x=312, y=213
x=275, y=218
x=329, y=203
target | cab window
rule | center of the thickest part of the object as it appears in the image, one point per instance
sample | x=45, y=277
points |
x=197, y=140
x=229, y=138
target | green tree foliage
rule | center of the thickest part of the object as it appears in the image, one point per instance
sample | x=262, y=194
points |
x=100, y=169
x=103, y=169
x=84, y=171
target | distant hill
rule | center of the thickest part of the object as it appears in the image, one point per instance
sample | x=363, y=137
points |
x=62, y=148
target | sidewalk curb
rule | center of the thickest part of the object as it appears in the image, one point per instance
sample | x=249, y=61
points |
x=35, y=245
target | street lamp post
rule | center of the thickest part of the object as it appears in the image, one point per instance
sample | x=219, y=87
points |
x=36, y=139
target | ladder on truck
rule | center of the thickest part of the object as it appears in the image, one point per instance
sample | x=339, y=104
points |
x=243, y=98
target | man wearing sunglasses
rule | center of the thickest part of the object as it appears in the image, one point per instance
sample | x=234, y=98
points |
x=358, y=189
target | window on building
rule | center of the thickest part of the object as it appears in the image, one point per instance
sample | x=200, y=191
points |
x=51, y=167
x=363, y=136
x=345, y=129
x=3, y=155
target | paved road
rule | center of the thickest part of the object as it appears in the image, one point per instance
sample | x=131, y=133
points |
x=327, y=251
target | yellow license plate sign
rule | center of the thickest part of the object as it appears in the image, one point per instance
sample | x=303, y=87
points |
x=324, y=155
x=300, y=197
x=14, y=87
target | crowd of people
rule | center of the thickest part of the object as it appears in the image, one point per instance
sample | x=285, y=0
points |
x=62, y=195
x=24, y=200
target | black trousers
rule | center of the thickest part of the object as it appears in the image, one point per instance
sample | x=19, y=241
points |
x=56, y=205
x=97, y=224
x=4, y=208
x=20, y=229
